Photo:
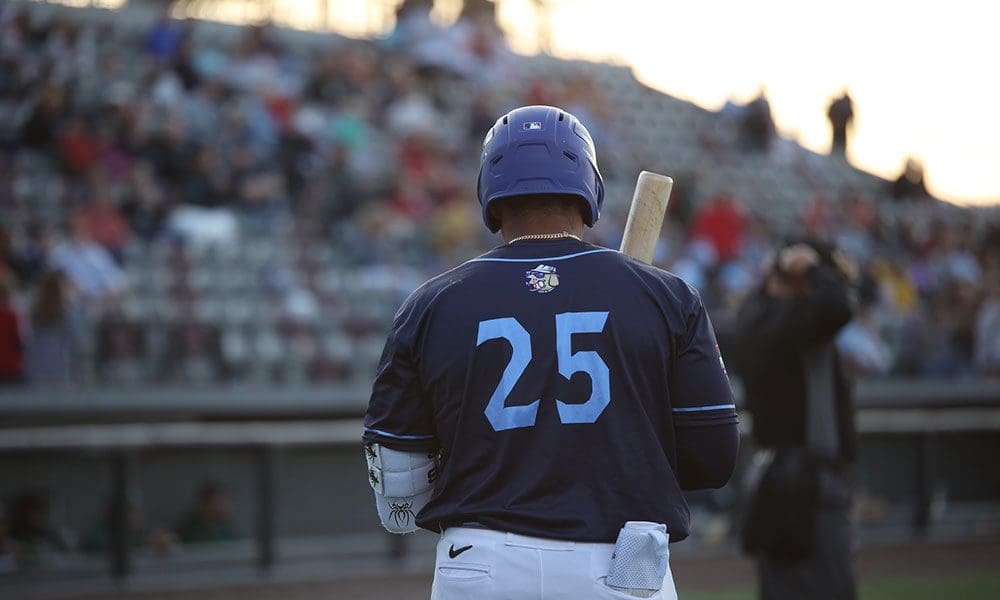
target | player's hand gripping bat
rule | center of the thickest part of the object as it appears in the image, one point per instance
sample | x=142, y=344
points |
x=645, y=217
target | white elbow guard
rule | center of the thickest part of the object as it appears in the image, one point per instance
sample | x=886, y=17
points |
x=403, y=483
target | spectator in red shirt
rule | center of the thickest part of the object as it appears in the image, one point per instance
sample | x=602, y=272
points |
x=104, y=222
x=11, y=344
x=721, y=223
x=79, y=147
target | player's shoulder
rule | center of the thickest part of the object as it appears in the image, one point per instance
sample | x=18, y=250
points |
x=443, y=285
x=427, y=292
x=660, y=279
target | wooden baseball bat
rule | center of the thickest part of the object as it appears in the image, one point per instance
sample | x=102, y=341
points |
x=645, y=216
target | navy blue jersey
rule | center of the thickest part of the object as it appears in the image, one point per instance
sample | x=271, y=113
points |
x=551, y=376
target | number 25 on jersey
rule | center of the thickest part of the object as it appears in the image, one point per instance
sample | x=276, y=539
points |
x=503, y=417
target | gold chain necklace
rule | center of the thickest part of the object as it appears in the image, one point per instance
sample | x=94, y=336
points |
x=545, y=236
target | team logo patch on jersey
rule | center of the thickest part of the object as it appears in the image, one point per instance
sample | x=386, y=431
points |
x=542, y=279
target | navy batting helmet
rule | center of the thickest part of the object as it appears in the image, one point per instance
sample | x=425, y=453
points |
x=539, y=150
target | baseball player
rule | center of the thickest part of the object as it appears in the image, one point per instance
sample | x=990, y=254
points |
x=551, y=398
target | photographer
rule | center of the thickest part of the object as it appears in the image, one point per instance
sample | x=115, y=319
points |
x=798, y=522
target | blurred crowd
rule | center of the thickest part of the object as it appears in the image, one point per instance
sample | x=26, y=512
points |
x=30, y=537
x=928, y=284
x=125, y=151
x=116, y=142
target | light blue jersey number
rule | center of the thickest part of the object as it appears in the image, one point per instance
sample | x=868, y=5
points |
x=500, y=416
x=503, y=417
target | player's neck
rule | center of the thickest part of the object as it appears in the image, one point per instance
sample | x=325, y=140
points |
x=540, y=225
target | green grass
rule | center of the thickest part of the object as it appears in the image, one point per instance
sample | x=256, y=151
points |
x=965, y=586
x=733, y=594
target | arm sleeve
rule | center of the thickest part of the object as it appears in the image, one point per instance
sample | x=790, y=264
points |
x=706, y=456
x=398, y=415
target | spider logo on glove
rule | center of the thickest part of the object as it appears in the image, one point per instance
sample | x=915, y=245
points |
x=401, y=513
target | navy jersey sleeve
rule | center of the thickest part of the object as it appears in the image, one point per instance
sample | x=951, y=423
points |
x=705, y=421
x=699, y=386
x=398, y=415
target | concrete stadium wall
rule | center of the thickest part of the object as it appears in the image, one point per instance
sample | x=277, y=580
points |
x=319, y=491
x=323, y=491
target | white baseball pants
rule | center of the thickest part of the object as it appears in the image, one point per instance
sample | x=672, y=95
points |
x=480, y=564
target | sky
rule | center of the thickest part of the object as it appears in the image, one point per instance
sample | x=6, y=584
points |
x=924, y=76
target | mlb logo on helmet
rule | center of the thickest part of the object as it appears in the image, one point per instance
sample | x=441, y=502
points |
x=533, y=126
x=542, y=279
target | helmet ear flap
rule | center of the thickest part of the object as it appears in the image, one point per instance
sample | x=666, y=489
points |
x=599, y=203
x=493, y=216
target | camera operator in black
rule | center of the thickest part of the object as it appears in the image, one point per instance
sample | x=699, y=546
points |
x=798, y=521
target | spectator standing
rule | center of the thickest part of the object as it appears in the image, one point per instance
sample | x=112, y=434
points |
x=840, y=113
x=757, y=124
x=798, y=521
x=910, y=183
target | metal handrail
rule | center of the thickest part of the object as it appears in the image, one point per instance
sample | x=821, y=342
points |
x=337, y=432
x=350, y=400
